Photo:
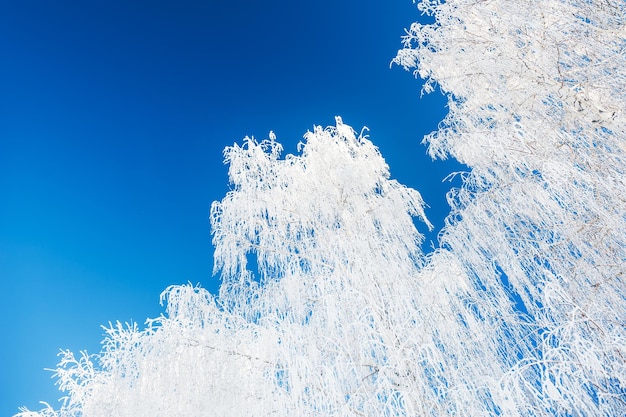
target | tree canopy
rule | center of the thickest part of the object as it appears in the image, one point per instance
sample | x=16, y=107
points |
x=328, y=306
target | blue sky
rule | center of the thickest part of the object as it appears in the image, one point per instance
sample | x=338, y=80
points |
x=113, y=118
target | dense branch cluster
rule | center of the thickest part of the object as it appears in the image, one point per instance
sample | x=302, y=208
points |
x=520, y=312
x=537, y=112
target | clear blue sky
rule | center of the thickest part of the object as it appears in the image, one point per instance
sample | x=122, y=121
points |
x=113, y=117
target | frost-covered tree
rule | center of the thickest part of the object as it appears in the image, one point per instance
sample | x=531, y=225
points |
x=328, y=306
x=537, y=112
x=344, y=318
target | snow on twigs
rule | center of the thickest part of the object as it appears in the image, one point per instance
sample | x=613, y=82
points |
x=328, y=307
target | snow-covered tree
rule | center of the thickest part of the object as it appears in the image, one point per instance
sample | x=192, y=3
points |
x=537, y=112
x=344, y=318
x=328, y=306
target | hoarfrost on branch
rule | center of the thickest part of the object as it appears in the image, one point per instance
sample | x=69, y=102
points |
x=520, y=312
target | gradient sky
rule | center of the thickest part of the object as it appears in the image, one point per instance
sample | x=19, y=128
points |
x=113, y=118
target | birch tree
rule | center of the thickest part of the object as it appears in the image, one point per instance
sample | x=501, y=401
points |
x=536, y=97
x=329, y=325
